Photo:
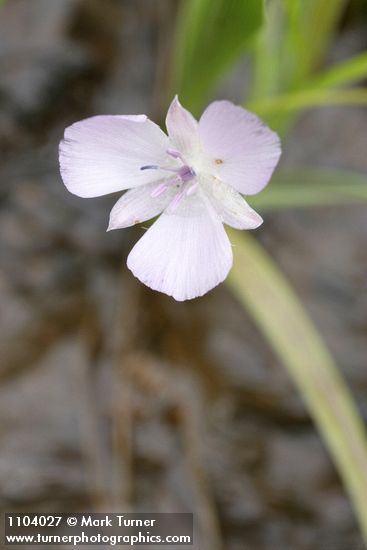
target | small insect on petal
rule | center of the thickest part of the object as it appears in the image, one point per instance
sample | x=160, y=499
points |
x=218, y=161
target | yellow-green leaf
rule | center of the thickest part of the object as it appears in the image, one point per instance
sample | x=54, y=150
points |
x=307, y=99
x=261, y=288
x=211, y=35
x=347, y=72
x=305, y=187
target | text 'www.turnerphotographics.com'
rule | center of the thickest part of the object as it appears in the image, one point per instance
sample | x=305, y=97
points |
x=99, y=529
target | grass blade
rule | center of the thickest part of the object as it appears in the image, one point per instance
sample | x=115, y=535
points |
x=305, y=187
x=285, y=57
x=307, y=99
x=319, y=21
x=261, y=288
x=268, y=72
x=211, y=35
x=347, y=72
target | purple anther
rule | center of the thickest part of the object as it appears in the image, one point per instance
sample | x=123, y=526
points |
x=186, y=173
x=175, y=154
x=176, y=201
x=190, y=190
x=149, y=167
x=158, y=190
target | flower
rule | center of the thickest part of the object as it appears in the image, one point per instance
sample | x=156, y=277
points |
x=194, y=178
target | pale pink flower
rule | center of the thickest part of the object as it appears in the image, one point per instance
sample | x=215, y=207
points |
x=194, y=178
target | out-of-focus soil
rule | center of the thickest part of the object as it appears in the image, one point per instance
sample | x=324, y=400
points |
x=113, y=397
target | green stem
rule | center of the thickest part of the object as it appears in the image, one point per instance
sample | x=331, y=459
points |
x=261, y=288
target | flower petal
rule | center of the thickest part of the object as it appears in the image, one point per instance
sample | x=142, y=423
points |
x=103, y=154
x=242, y=151
x=230, y=205
x=138, y=205
x=183, y=255
x=182, y=129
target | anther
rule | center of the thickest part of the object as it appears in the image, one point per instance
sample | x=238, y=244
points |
x=158, y=190
x=186, y=173
x=176, y=200
x=150, y=167
x=175, y=154
x=190, y=190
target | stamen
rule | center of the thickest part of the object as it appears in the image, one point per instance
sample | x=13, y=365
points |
x=186, y=173
x=150, y=167
x=157, y=167
x=176, y=201
x=190, y=190
x=159, y=190
x=175, y=154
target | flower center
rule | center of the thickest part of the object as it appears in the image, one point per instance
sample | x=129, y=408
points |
x=183, y=175
x=186, y=173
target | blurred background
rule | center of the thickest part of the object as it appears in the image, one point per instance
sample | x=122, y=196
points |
x=114, y=397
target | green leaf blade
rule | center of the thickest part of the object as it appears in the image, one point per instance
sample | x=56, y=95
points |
x=312, y=187
x=212, y=35
x=308, y=99
x=261, y=288
x=344, y=73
